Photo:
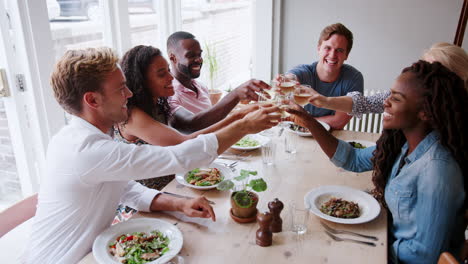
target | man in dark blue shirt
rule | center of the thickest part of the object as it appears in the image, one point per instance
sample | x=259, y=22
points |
x=329, y=75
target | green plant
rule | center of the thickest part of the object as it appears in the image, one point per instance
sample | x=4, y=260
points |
x=211, y=59
x=243, y=198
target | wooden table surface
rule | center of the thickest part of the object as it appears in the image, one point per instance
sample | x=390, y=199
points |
x=293, y=175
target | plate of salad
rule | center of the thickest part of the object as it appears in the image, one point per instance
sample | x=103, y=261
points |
x=360, y=144
x=303, y=131
x=143, y=240
x=204, y=178
x=251, y=142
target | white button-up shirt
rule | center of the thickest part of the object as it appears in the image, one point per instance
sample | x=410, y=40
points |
x=87, y=174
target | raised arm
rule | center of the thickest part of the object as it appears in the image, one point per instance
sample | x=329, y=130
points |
x=186, y=121
x=337, y=121
x=144, y=127
x=353, y=103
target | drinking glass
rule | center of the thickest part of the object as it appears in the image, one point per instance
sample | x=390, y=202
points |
x=290, y=142
x=299, y=218
x=269, y=153
x=287, y=82
x=302, y=94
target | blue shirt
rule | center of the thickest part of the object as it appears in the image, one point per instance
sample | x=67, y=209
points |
x=425, y=198
x=350, y=80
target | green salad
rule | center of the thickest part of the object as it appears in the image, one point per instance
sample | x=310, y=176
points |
x=139, y=247
x=247, y=142
x=357, y=145
x=204, y=177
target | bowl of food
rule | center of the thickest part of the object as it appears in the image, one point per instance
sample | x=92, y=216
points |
x=360, y=144
x=251, y=142
x=204, y=178
x=143, y=240
x=303, y=131
x=342, y=204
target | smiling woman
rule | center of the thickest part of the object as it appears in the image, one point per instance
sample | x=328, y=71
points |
x=148, y=77
x=419, y=162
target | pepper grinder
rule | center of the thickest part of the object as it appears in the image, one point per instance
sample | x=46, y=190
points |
x=264, y=236
x=275, y=207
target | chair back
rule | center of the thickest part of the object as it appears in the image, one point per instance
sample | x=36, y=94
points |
x=17, y=214
x=447, y=258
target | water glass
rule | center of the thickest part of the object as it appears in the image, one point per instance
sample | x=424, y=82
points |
x=290, y=142
x=268, y=153
x=299, y=218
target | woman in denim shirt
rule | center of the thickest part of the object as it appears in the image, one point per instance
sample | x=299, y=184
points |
x=419, y=162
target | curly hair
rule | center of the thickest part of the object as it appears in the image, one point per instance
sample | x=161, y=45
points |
x=444, y=101
x=79, y=72
x=135, y=65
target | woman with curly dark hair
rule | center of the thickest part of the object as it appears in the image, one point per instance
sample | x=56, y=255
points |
x=150, y=80
x=420, y=162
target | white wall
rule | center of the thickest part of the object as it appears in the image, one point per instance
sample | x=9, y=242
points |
x=388, y=35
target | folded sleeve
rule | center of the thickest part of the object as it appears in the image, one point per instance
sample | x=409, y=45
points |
x=352, y=159
x=138, y=196
x=367, y=104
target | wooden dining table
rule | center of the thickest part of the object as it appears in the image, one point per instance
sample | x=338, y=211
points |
x=290, y=178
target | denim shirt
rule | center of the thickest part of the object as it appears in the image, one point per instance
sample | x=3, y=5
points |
x=425, y=198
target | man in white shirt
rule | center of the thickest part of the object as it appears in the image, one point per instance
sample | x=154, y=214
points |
x=88, y=174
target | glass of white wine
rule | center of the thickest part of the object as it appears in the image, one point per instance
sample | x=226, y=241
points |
x=302, y=94
x=287, y=82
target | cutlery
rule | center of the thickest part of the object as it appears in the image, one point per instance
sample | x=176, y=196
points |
x=239, y=158
x=281, y=132
x=183, y=196
x=337, y=231
x=372, y=244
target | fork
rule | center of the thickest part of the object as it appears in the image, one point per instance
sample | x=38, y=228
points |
x=337, y=231
x=372, y=244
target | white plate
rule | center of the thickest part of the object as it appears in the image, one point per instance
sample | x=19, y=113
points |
x=225, y=174
x=368, y=206
x=362, y=142
x=262, y=140
x=101, y=243
x=306, y=134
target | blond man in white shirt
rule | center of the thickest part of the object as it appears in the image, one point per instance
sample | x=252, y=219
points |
x=88, y=174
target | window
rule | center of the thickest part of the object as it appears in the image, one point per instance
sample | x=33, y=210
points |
x=143, y=23
x=226, y=27
x=75, y=24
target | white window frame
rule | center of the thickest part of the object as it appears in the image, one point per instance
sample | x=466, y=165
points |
x=267, y=38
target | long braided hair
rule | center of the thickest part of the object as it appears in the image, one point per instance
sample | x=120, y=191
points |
x=445, y=102
x=135, y=65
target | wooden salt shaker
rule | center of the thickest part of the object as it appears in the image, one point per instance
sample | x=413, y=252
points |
x=275, y=207
x=264, y=236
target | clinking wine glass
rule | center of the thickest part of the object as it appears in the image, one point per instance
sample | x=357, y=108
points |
x=302, y=94
x=287, y=82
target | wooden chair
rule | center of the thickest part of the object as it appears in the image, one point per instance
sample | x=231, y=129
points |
x=17, y=214
x=15, y=229
x=447, y=258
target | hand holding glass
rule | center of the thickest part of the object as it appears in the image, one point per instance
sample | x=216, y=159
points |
x=302, y=94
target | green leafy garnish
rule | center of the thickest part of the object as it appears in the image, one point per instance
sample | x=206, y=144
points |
x=247, y=142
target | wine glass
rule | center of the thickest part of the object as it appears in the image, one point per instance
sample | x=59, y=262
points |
x=287, y=82
x=302, y=94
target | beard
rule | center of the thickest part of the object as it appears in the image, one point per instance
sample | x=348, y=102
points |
x=186, y=70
